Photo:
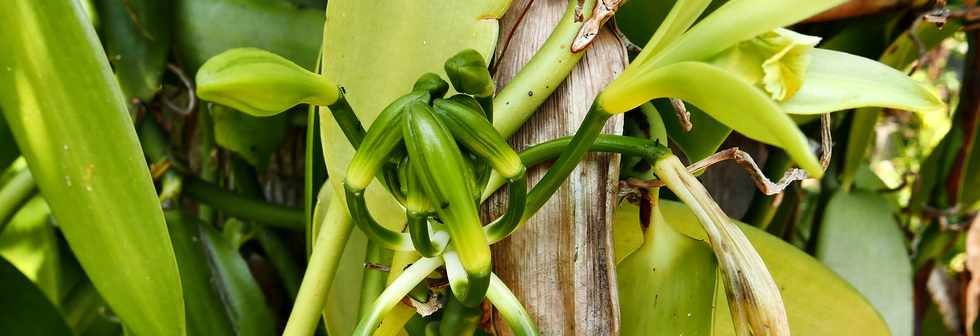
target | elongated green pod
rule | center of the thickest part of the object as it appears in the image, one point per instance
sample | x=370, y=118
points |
x=261, y=83
x=56, y=87
x=468, y=72
x=418, y=209
x=439, y=165
x=458, y=319
x=384, y=136
x=462, y=284
x=470, y=127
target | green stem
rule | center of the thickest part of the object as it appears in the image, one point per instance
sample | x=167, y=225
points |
x=392, y=295
x=539, y=78
x=373, y=279
x=510, y=308
x=570, y=157
x=344, y=114
x=244, y=207
x=322, y=268
x=14, y=193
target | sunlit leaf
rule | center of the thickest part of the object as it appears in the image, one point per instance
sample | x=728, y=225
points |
x=725, y=97
x=837, y=81
x=29, y=243
x=861, y=241
x=716, y=32
x=56, y=89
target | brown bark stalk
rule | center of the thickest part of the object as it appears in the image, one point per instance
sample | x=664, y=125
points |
x=560, y=264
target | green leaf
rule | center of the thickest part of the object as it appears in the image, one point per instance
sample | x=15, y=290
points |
x=681, y=16
x=56, y=87
x=255, y=139
x=29, y=243
x=24, y=310
x=667, y=286
x=736, y=21
x=242, y=296
x=818, y=302
x=725, y=97
x=861, y=241
x=205, y=28
x=137, y=36
x=838, y=81
x=206, y=313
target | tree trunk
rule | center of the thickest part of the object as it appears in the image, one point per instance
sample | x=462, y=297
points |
x=560, y=264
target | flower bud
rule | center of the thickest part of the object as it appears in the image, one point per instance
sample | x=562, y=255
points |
x=261, y=83
x=468, y=72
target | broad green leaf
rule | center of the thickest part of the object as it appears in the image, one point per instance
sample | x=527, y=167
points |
x=736, y=21
x=255, y=139
x=206, y=314
x=667, y=286
x=838, y=81
x=56, y=87
x=29, y=243
x=205, y=28
x=818, y=302
x=24, y=310
x=136, y=35
x=725, y=97
x=861, y=241
x=243, y=299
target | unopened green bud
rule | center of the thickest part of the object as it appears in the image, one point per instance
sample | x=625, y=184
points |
x=433, y=84
x=468, y=72
x=261, y=83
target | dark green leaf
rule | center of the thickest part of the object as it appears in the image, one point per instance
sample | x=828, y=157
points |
x=253, y=138
x=136, y=35
x=205, y=28
x=24, y=310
